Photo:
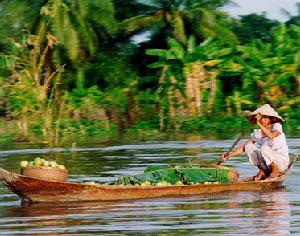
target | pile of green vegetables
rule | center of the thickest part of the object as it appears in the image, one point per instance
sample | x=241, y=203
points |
x=168, y=176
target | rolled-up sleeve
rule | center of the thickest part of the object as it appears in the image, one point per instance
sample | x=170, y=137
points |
x=278, y=127
x=256, y=135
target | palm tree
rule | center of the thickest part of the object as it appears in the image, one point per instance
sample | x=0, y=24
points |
x=75, y=25
x=181, y=18
x=272, y=69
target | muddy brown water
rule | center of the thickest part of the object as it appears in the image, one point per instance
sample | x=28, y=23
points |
x=244, y=213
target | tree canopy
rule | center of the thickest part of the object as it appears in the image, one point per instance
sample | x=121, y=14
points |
x=75, y=67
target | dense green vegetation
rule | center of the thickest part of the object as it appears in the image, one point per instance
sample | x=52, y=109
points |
x=143, y=69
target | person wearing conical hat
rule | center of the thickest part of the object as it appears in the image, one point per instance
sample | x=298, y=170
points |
x=266, y=148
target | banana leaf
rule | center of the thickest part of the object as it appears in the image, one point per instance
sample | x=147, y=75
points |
x=172, y=175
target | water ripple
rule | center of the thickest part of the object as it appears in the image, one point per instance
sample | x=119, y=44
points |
x=236, y=213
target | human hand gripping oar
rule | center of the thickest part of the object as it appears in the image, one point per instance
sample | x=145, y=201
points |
x=237, y=141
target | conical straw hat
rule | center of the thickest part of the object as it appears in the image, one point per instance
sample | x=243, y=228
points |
x=266, y=110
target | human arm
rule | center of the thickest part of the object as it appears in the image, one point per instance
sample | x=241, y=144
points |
x=236, y=151
x=270, y=134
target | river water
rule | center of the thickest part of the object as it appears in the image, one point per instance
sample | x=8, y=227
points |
x=243, y=213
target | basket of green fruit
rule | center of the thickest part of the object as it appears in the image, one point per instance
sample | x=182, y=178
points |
x=43, y=169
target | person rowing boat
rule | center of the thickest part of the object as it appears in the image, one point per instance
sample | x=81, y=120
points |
x=266, y=148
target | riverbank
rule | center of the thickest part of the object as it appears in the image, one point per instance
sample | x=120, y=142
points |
x=191, y=129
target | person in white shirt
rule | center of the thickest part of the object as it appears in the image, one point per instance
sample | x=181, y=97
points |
x=266, y=148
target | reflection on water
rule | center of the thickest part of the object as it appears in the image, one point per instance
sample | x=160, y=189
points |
x=255, y=213
x=274, y=211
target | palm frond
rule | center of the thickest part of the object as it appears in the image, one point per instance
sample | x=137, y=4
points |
x=179, y=30
x=201, y=14
x=176, y=49
x=71, y=39
x=206, y=25
x=191, y=44
x=86, y=33
x=101, y=13
x=139, y=23
x=212, y=4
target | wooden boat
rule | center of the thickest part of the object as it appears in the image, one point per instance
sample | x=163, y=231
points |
x=36, y=190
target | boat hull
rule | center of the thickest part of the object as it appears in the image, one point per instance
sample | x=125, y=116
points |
x=36, y=190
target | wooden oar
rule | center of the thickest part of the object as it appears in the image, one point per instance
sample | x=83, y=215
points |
x=238, y=139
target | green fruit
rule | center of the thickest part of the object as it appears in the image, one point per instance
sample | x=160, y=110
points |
x=31, y=164
x=179, y=183
x=24, y=164
x=90, y=183
x=38, y=162
x=53, y=163
x=62, y=167
x=162, y=183
x=146, y=183
x=45, y=163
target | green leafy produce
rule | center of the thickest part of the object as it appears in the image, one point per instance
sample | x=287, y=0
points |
x=204, y=175
x=165, y=176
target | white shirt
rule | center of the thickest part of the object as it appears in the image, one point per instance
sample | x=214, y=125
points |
x=278, y=144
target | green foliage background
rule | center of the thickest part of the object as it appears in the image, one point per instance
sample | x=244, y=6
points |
x=141, y=70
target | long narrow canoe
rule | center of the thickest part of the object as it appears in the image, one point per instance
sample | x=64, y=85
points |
x=36, y=190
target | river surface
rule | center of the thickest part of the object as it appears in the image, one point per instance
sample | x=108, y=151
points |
x=243, y=213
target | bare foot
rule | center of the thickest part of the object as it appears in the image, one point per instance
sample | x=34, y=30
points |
x=274, y=171
x=259, y=176
x=273, y=175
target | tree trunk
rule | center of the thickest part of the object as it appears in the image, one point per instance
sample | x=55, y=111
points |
x=199, y=77
x=170, y=95
x=178, y=99
x=228, y=106
x=298, y=84
x=213, y=91
x=161, y=118
x=237, y=103
x=193, y=78
x=23, y=127
x=190, y=95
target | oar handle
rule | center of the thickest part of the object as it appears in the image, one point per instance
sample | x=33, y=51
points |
x=238, y=139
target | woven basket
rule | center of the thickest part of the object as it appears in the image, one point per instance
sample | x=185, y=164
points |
x=45, y=173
